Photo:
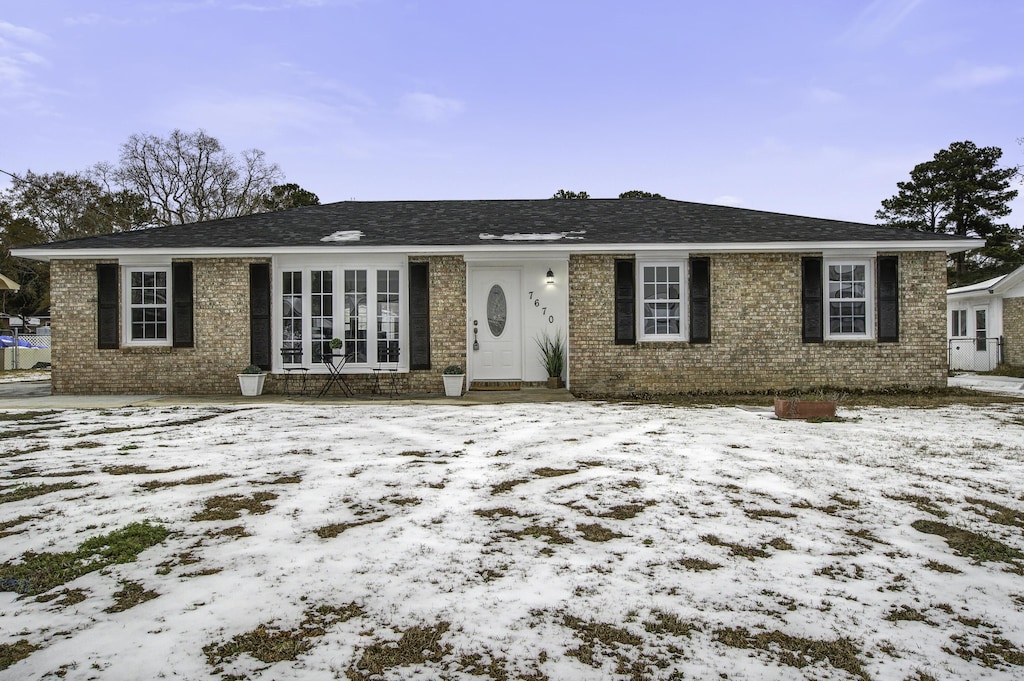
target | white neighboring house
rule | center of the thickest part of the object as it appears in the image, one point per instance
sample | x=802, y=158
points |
x=985, y=323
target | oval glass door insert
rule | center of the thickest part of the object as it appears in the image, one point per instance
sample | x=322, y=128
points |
x=497, y=310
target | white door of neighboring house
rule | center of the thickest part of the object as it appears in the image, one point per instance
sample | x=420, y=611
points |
x=985, y=349
x=495, y=331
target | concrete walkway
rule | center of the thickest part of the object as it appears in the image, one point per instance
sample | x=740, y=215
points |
x=36, y=395
x=1006, y=385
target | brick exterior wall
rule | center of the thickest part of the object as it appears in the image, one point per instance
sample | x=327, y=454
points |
x=447, y=321
x=756, y=323
x=755, y=334
x=1013, y=331
x=220, y=326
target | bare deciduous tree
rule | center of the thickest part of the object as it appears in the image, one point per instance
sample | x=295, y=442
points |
x=190, y=177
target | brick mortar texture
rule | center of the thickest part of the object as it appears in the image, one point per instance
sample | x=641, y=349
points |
x=447, y=321
x=1013, y=331
x=756, y=334
x=220, y=327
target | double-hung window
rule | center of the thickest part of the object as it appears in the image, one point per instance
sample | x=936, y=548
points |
x=660, y=299
x=148, y=305
x=958, y=324
x=848, y=308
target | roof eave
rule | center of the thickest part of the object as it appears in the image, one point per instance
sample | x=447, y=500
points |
x=949, y=246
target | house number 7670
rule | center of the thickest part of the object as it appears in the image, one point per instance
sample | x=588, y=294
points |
x=543, y=310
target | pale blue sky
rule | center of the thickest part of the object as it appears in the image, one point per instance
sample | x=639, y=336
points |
x=812, y=107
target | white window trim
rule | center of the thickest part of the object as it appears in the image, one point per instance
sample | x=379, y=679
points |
x=869, y=298
x=961, y=312
x=684, y=316
x=126, y=305
x=338, y=267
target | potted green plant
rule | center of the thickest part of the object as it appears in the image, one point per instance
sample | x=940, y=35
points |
x=337, y=347
x=552, y=357
x=251, y=380
x=452, y=377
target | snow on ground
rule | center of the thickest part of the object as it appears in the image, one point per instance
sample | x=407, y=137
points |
x=23, y=375
x=554, y=541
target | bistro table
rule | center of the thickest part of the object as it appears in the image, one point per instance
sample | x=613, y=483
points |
x=335, y=364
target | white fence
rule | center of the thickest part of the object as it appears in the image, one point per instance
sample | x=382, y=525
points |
x=975, y=354
x=27, y=351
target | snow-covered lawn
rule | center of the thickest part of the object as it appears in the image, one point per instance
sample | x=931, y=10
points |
x=554, y=541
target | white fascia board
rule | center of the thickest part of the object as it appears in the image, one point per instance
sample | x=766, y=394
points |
x=980, y=287
x=1010, y=281
x=502, y=255
x=506, y=251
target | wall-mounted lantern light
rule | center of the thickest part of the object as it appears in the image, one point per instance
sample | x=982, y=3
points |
x=551, y=276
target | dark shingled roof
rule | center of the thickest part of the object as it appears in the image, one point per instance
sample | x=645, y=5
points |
x=460, y=223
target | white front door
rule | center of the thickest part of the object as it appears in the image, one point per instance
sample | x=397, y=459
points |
x=495, y=331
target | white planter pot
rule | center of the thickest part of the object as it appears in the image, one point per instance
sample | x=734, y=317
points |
x=251, y=384
x=453, y=384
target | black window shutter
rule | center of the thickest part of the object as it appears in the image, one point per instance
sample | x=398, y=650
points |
x=181, y=305
x=700, y=300
x=107, y=319
x=625, y=303
x=419, y=315
x=259, y=315
x=888, y=299
x=813, y=301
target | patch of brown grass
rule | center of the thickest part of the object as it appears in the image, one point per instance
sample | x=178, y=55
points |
x=15, y=652
x=82, y=444
x=796, y=651
x=22, y=492
x=997, y=513
x=270, y=644
x=761, y=513
x=905, y=613
x=546, y=472
x=990, y=651
x=333, y=530
x=551, y=534
x=625, y=511
x=942, y=567
x=921, y=503
x=416, y=646
x=130, y=595
x=507, y=485
x=128, y=469
x=195, y=480
x=598, y=637
x=667, y=623
x=231, y=506
x=597, y=533
x=971, y=544
x=68, y=597
x=8, y=524
x=749, y=552
x=500, y=512
x=698, y=564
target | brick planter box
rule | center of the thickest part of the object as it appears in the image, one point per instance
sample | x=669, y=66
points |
x=804, y=409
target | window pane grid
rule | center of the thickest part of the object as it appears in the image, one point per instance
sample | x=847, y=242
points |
x=847, y=295
x=362, y=307
x=322, y=313
x=291, y=310
x=148, y=305
x=387, y=315
x=355, y=315
x=662, y=303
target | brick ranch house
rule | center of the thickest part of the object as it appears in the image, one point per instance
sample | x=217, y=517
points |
x=653, y=296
